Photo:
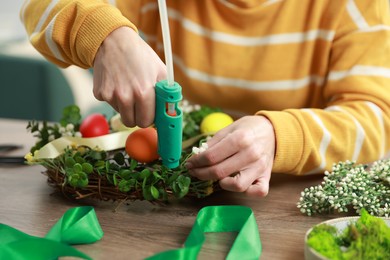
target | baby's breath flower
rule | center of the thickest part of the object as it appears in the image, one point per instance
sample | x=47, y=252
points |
x=70, y=127
x=204, y=146
x=350, y=186
x=67, y=134
x=197, y=150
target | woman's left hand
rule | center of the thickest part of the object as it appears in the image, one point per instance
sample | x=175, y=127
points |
x=240, y=156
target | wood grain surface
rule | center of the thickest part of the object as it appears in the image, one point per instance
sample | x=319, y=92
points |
x=140, y=229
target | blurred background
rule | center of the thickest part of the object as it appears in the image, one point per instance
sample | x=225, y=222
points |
x=30, y=86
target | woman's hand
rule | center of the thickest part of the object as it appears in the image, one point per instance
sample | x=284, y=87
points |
x=240, y=156
x=126, y=70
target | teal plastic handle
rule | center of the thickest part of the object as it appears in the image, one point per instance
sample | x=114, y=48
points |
x=169, y=127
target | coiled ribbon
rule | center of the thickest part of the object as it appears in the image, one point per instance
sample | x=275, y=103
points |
x=77, y=226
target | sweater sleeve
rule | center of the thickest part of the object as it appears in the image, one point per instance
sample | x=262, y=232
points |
x=70, y=32
x=355, y=121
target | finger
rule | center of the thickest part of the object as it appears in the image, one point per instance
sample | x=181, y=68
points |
x=220, y=135
x=109, y=99
x=105, y=93
x=127, y=117
x=259, y=188
x=235, y=163
x=99, y=85
x=99, y=94
x=145, y=108
x=126, y=109
x=162, y=71
x=241, y=181
x=114, y=105
x=248, y=181
x=215, y=154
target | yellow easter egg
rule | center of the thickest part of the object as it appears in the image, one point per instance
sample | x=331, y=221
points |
x=214, y=122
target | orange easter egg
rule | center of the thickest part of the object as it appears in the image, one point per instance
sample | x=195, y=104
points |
x=141, y=145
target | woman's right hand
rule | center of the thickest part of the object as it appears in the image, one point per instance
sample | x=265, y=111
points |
x=126, y=70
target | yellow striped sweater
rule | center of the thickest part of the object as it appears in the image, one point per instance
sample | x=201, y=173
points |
x=318, y=70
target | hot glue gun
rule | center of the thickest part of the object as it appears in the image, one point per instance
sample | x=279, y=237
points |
x=168, y=120
x=168, y=116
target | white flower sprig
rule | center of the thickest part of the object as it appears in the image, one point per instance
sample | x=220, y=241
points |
x=197, y=150
x=67, y=131
x=188, y=108
x=350, y=186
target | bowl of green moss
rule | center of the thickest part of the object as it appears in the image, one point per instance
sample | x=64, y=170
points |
x=364, y=237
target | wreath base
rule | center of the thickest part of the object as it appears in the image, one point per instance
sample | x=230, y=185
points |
x=98, y=188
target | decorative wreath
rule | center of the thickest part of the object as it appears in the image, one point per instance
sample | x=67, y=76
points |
x=90, y=157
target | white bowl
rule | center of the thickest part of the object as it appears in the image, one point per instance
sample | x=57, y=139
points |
x=340, y=224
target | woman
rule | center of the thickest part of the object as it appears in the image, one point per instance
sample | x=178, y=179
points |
x=310, y=79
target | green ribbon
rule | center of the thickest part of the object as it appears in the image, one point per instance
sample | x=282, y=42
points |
x=239, y=219
x=80, y=226
x=77, y=226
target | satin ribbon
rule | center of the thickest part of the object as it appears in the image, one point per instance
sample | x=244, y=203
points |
x=107, y=142
x=80, y=226
x=241, y=219
x=77, y=226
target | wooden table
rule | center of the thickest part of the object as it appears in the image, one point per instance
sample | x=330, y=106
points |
x=141, y=229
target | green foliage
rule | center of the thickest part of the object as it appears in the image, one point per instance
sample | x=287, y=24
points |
x=350, y=186
x=45, y=132
x=367, y=238
x=76, y=168
x=193, y=119
x=71, y=115
x=154, y=181
x=90, y=171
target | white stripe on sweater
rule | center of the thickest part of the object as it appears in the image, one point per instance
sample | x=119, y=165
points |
x=275, y=84
x=112, y=2
x=49, y=40
x=283, y=38
x=247, y=84
x=233, y=6
x=23, y=9
x=279, y=84
x=356, y=16
x=44, y=17
x=271, y=2
x=49, y=30
x=360, y=133
x=149, y=7
x=375, y=28
x=323, y=145
x=379, y=115
x=360, y=70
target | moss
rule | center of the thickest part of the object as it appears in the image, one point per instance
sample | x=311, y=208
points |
x=324, y=240
x=367, y=238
